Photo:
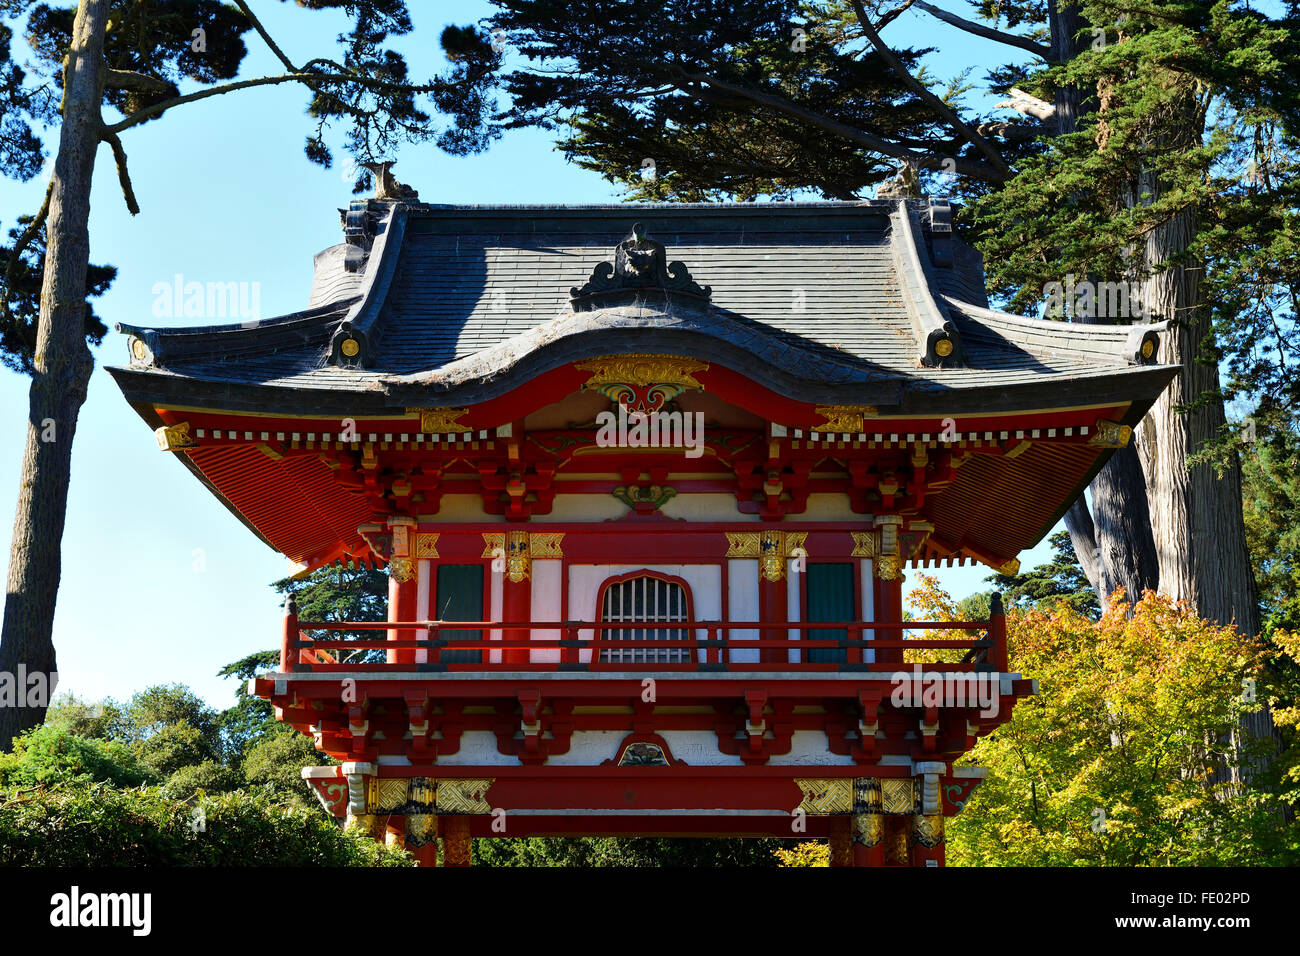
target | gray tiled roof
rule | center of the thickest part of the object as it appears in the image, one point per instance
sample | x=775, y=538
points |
x=821, y=301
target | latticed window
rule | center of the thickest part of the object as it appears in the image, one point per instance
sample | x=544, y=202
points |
x=650, y=600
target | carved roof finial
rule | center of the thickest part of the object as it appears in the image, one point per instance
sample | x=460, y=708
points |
x=640, y=266
x=386, y=186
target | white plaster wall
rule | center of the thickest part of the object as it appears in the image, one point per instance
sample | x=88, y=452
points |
x=547, y=584
x=794, y=611
x=590, y=748
x=809, y=748
x=705, y=581
x=423, y=572
x=496, y=597
x=585, y=508
x=460, y=508
x=824, y=506
x=868, y=604
x=742, y=605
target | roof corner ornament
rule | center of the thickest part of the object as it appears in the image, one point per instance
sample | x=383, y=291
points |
x=1109, y=434
x=387, y=188
x=905, y=185
x=348, y=347
x=641, y=268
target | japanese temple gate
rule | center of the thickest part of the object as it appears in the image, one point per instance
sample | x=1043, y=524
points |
x=694, y=629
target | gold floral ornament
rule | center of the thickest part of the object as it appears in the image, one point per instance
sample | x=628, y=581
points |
x=401, y=570
x=642, y=382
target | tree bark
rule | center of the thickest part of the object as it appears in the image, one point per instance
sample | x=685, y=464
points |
x=63, y=365
x=1113, y=542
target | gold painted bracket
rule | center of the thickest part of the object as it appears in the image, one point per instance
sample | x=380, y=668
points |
x=1108, y=434
x=174, y=437
x=844, y=419
x=520, y=548
x=440, y=421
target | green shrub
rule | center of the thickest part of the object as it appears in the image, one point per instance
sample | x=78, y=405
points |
x=96, y=825
x=52, y=753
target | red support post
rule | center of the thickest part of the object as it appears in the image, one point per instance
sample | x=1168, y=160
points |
x=289, y=640
x=889, y=610
x=997, y=634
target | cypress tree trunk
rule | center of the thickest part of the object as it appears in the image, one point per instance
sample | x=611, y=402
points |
x=1113, y=541
x=63, y=365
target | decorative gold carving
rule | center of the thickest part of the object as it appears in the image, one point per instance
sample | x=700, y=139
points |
x=464, y=795
x=775, y=548
x=140, y=351
x=943, y=348
x=426, y=545
x=897, y=795
x=401, y=570
x=866, y=795
x=843, y=419
x=440, y=421
x=639, y=382
x=512, y=548
x=1108, y=434
x=742, y=544
x=421, y=829
x=888, y=567
x=897, y=851
x=642, y=369
x=868, y=829
x=543, y=545
x=387, y=795
x=826, y=795
x=423, y=793
x=927, y=829
x=1010, y=567
x=350, y=347
x=1148, y=348
x=174, y=437
x=864, y=544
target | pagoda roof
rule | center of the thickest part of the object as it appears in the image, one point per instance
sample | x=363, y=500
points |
x=872, y=303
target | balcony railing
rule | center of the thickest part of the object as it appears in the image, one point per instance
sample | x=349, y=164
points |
x=730, y=646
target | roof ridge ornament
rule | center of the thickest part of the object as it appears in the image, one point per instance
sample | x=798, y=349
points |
x=386, y=185
x=640, y=267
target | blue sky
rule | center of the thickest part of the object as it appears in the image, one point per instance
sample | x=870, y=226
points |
x=160, y=583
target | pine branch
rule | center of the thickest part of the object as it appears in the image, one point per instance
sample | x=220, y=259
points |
x=982, y=171
x=266, y=37
x=307, y=77
x=16, y=253
x=987, y=33
x=123, y=175
x=920, y=89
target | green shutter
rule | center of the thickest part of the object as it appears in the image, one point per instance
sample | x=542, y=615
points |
x=830, y=598
x=459, y=597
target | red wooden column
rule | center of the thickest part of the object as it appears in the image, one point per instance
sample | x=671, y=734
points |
x=456, y=844
x=403, y=588
x=868, y=824
x=889, y=609
x=773, y=606
x=516, y=596
x=841, y=839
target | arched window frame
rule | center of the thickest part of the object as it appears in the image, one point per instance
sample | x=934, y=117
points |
x=602, y=644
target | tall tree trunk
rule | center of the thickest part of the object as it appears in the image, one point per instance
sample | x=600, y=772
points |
x=1113, y=541
x=63, y=364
